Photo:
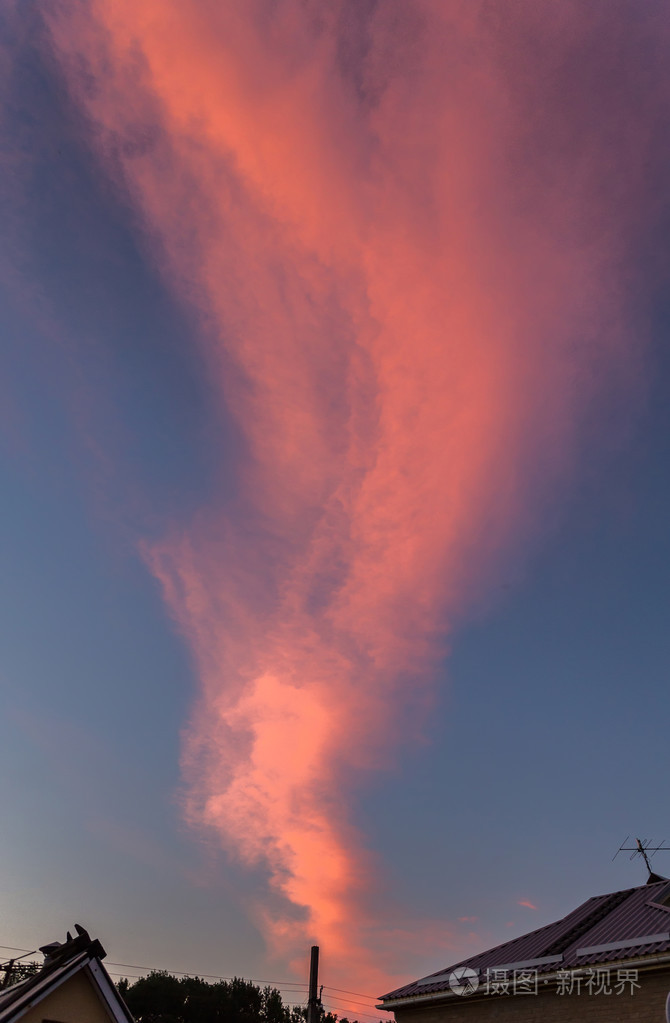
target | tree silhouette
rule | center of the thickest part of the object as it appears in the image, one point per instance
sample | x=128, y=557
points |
x=163, y=998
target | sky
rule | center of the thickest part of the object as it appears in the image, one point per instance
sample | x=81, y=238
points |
x=334, y=439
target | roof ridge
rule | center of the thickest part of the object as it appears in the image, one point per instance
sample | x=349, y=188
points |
x=512, y=941
x=503, y=944
x=607, y=903
x=527, y=934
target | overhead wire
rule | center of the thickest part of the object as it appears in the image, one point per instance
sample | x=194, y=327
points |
x=124, y=976
x=350, y=1008
x=340, y=1010
x=291, y=987
x=17, y=959
x=297, y=984
x=344, y=991
x=348, y=1001
x=372, y=1004
x=209, y=976
x=362, y=1000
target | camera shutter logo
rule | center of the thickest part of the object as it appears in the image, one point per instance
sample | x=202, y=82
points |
x=464, y=981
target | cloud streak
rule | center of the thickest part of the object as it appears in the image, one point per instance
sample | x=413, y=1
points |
x=403, y=232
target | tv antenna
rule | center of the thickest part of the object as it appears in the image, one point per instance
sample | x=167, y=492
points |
x=646, y=850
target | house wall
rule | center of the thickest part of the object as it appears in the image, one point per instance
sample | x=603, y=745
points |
x=646, y=1005
x=75, y=1001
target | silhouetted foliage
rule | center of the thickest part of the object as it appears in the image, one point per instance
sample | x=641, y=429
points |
x=163, y=998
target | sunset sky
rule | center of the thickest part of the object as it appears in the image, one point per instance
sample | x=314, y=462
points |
x=335, y=447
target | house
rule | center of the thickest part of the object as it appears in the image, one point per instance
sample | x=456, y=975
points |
x=608, y=960
x=71, y=987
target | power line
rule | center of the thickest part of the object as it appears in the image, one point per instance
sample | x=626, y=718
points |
x=350, y=1014
x=349, y=1010
x=17, y=959
x=363, y=1005
x=348, y=1005
x=340, y=1009
x=193, y=976
x=331, y=1003
x=208, y=976
x=182, y=973
x=290, y=986
x=345, y=992
x=122, y=976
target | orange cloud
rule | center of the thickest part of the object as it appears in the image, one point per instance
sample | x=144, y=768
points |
x=400, y=234
x=527, y=903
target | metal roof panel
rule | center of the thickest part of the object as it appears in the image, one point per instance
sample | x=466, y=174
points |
x=605, y=924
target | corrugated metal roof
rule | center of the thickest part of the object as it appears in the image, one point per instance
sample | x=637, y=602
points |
x=635, y=913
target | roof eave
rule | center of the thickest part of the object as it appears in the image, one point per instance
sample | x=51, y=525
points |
x=651, y=962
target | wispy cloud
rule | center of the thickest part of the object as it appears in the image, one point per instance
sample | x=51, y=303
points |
x=401, y=231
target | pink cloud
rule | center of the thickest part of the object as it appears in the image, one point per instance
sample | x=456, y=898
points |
x=409, y=287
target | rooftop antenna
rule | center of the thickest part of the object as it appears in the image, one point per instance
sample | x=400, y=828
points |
x=644, y=849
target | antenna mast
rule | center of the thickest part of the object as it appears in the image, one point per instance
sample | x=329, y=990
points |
x=644, y=849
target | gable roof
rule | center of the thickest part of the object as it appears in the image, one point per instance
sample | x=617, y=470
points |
x=61, y=963
x=625, y=925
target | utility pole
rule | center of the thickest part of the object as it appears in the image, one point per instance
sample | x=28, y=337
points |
x=313, y=1002
x=7, y=967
